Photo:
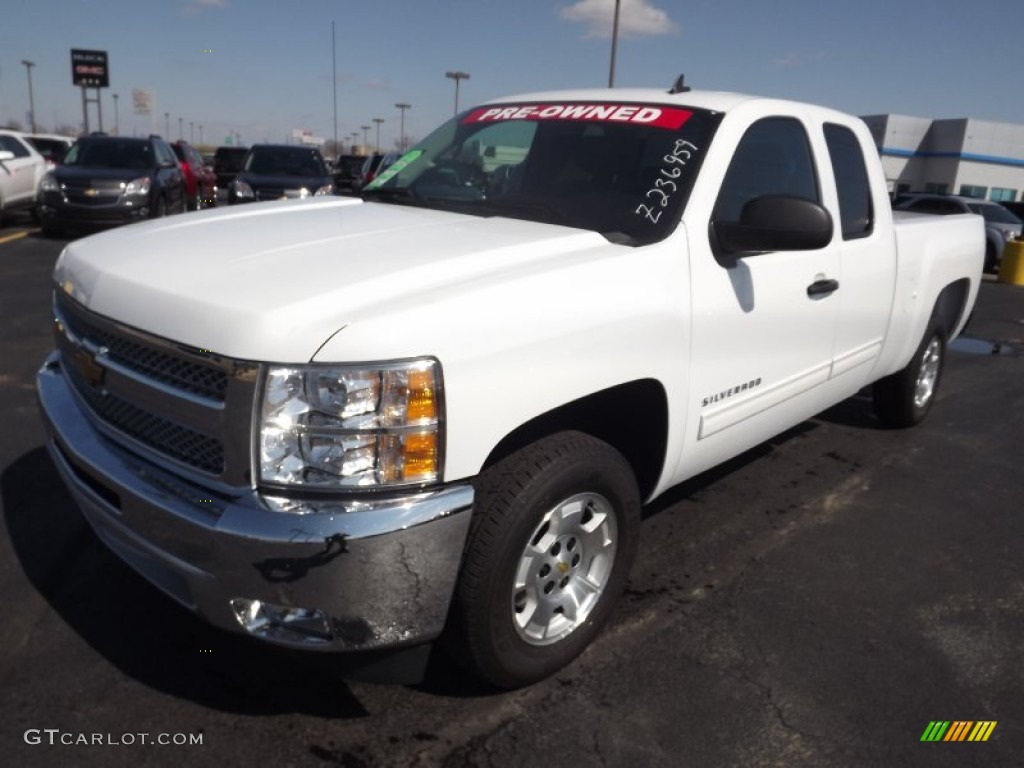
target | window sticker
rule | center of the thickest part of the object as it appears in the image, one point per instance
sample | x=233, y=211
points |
x=395, y=168
x=671, y=118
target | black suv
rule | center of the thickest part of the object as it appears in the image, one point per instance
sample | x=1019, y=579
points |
x=279, y=171
x=107, y=180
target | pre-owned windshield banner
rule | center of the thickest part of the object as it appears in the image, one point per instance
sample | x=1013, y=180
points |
x=671, y=118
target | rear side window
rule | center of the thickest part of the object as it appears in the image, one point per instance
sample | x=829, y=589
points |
x=773, y=158
x=11, y=144
x=855, y=208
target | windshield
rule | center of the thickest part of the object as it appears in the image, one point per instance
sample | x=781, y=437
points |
x=995, y=214
x=282, y=161
x=112, y=153
x=624, y=170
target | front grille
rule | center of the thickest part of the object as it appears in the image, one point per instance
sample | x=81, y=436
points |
x=191, y=407
x=169, y=369
x=178, y=442
x=103, y=193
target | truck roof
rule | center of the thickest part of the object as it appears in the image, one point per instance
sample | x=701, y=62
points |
x=717, y=101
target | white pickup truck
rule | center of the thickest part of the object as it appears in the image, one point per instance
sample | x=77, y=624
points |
x=435, y=412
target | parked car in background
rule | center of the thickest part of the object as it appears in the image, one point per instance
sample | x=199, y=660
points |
x=1000, y=224
x=1017, y=209
x=279, y=171
x=227, y=162
x=21, y=170
x=345, y=171
x=200, y=181
x=373, y=165
x=51, y=146
x=109, y=180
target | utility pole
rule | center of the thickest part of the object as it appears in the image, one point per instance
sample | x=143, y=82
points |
x=117, y=118
x=457, y=76
x=334, y=76
x=365, y=129
x=31, y=97
x=615, y=44
x=401, y=136
x=378, y=121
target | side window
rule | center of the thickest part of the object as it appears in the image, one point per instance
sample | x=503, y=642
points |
x=164, y=154
x=851, y=174
x=11, y=144
x=773, y=158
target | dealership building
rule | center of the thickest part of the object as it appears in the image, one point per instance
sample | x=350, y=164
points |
x=963, y=156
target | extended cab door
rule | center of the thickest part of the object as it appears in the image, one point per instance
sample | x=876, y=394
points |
x=867, y=252
x=764, y=320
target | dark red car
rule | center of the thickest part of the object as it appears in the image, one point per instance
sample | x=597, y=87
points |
x=200, y=181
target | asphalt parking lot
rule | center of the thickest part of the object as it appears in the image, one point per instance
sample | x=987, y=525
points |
x=816, y=602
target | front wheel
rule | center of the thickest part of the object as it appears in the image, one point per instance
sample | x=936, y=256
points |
x=904, y=398
x=554, y=532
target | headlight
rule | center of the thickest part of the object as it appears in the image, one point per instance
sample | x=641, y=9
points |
x=351, y=426
x=49, y=183
x=139, y=186
x=326, y=189
x=242, y=189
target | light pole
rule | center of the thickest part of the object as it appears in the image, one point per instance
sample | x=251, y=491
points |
x=191, y=132
x=401, y=106
x=378, y=121
x=365, y=129
x=181, y=120
x=31, y=98
x=167, y=125
x=456, y=76
x=615, y=44
x=117, y=118
x=200, y=134
x=355, y=140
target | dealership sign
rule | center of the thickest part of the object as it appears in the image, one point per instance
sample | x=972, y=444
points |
x=89, y=68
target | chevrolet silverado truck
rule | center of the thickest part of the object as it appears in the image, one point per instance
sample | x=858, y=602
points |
x=433, y=413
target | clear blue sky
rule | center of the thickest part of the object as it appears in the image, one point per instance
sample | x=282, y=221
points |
x=263, y=67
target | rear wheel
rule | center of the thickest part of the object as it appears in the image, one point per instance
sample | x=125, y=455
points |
x=904, y=398
x=548, y=554
x=991, y=258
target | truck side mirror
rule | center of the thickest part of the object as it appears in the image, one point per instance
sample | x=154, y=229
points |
x=774, y=223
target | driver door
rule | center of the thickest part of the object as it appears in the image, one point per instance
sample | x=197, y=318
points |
x=763, y=324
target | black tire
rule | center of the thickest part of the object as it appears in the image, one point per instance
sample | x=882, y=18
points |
x=571, y=579
x=159, y=208
x=51, y=230
x=904, y=398
x=991, y=259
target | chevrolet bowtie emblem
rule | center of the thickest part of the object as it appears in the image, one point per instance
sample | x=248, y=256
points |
x=92, y=373
x=563, y=567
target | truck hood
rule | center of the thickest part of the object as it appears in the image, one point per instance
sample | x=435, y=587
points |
x=274, y=281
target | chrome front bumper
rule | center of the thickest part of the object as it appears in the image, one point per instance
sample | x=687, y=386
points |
x=381, y=573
